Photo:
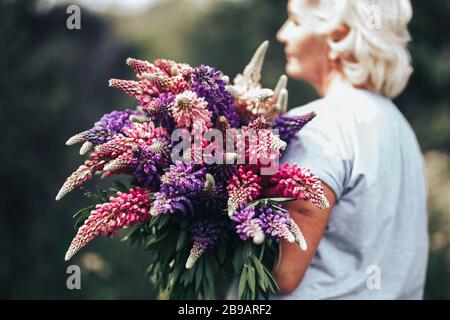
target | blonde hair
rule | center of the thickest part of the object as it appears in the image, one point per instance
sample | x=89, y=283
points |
x=373, y=52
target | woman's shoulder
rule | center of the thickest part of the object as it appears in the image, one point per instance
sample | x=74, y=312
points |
x=328, y=118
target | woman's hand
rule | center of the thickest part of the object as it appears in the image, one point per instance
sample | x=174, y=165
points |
x=292, y=261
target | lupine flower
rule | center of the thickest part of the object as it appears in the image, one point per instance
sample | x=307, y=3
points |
x=190, y=110
x=212, y=198
x=264, y=147
x=178, y=185
x=205, y=234
x=259, y=123
x=298, y=235
x=298, y=183
x=124, y=210
x=159, y=110
x=82, y=174
x=184, y=178
x=222, y=172
x=248, y=226
x=148, y=162
x=144, y=91
x=288, y=126
x=242, y=188
x=109, y=125
x=140, y=66
x=104, y=129
x=208, y=83
x=276, y=223
x=171, y=202
x=121, y=149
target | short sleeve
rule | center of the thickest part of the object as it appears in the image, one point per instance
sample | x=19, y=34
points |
x=321, y=146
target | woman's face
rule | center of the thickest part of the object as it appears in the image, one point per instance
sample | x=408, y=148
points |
x=306, y=52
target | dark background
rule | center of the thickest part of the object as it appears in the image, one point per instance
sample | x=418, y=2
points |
x=54, y=83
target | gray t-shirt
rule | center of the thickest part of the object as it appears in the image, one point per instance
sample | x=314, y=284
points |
x=375, y=245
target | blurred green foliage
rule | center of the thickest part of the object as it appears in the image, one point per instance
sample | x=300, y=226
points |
x=54, y=84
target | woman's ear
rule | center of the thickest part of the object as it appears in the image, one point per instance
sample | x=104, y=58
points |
x=340, y=33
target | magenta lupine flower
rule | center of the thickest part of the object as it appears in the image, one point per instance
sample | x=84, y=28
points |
x=298, y=183
x=205, y=234
x=120, y=149
x=82, y=174
x=191, y=110
x=208, y=83
x=124, y=210
x=143, y=91
x=264, y=146
x=288, y=126
x=259, y=123
x=141, y=66
x=242, y=188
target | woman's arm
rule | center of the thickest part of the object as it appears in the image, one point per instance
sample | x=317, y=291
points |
x=293, y=262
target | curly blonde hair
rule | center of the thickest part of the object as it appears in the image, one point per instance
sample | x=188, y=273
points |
x=373, y=52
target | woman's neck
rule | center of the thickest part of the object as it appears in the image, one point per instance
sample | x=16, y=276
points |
x=331, y=80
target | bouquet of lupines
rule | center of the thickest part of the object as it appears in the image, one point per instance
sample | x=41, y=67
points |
x=202, y=156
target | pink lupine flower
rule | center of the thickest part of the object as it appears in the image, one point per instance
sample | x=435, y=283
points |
x=140, y=66
x=298, y=183
x=82, y=174
x=122, y=211
x=144, y=91
x=264, y=147
x=190, y=110
x=242, y=188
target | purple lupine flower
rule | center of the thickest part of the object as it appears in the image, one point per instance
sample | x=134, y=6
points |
x=205, y=234
x=159, y=110
x=149, y=162
x=147, y=166
x=248, y=226
x=208, y=83
x=222, y=172
x=183, y=178
x=171, y=203
x=109, y=125
x=276, y=223
x=288, y=126
x=212, y=199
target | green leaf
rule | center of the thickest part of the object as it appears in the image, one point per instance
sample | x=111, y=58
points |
x=280, y=199
x=181, y=242
x=209, y=275
x=102, y=194
x=221, y=252
x=81, y=211
x=119, y=186
x=199, y=273
x=251, y=279
x=242, y=282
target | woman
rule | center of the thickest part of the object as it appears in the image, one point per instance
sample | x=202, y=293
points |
x=372, y=243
